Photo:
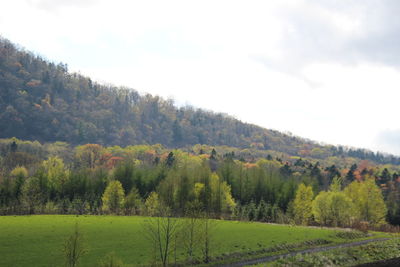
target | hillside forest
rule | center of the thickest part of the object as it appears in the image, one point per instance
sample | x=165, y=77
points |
x=40, y=100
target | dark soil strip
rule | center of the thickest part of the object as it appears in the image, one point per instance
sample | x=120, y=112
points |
x=383, y=263
x=311, y=250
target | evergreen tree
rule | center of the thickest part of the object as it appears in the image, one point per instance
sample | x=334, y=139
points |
x=170, y=159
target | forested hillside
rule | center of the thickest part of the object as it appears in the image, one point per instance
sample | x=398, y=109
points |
x=41, y=100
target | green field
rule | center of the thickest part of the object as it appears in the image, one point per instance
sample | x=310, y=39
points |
x=37, y=240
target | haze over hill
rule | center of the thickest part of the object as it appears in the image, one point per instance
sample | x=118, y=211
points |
x=40, y=100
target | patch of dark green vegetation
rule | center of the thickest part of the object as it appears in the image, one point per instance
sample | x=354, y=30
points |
x=345, y=256
x=351, y=234
x=278, y=248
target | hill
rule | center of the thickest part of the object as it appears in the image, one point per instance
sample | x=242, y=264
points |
x=41, y=100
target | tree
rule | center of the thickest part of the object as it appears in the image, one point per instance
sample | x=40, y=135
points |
x=385, y=176
x=207, y=231
x=368, y=201
x=19, y=174
x=125, y=173
x=113, y=197
x=350, y=177
x=213, y=154
x=170, y=159
x=393, y=205
x=191, y=229
x=74, y=247
x=161, y=232
x=332, y=208
x=341, y=209
x=88, y=155
x=221, y=197
x=56, y=173
x=213, y=160
x=177, y=133
x=262, y=211
x=152, y=204
x=13, y=147
x=133, y=202
x=303, y=204
x=31, y=194
x=184, y=193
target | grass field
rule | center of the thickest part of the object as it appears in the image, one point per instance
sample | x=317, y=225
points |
x=37, y=240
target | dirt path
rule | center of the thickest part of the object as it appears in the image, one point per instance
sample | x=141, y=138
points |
x=311, y=250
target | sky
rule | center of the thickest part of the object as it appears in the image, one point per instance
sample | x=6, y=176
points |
x=326, y=70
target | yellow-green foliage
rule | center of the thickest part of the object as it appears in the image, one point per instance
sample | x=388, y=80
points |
x=113, y=197
x=152, y=204
x=221, y=194
x=320, y=208
x=333, y=208
x=88, y=155
x=56, y=173
x=368, y=201
x=198, y=189
x=19, y=172
x=303, y=204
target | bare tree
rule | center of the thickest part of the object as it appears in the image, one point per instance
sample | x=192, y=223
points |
x=74, y=247
x=208, y=227
x=191, y=230
x=161, y=231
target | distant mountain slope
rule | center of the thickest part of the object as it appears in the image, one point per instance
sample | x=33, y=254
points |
x=40, y=100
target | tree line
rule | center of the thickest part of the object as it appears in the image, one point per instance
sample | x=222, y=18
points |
x=137, y=180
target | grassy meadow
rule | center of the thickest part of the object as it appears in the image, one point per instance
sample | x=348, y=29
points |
x=37, y=240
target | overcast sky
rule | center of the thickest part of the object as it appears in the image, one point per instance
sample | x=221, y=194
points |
x=322, y=69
